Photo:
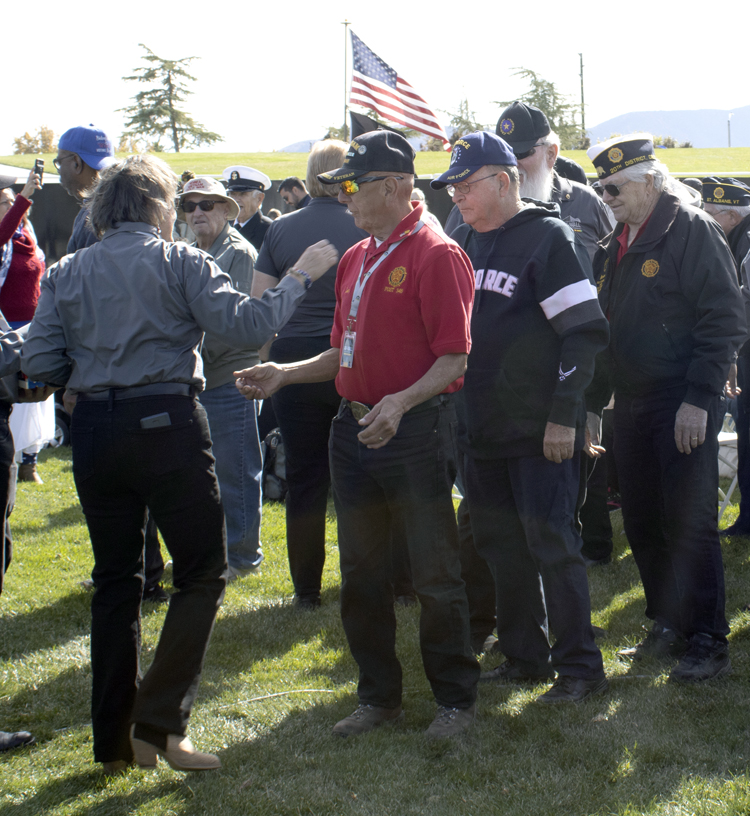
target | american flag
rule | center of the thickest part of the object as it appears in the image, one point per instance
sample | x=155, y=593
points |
x=375, y=85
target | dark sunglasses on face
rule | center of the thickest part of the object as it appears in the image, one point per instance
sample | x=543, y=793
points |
x=530, y=152
x=614, y=189
x=205, y=204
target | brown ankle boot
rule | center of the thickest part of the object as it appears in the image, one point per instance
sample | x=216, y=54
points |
x=28, y=473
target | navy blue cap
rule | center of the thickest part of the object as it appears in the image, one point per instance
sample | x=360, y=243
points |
x=471, y=153
x=729, y=191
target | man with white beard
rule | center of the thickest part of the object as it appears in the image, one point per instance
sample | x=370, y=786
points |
x=536, y=147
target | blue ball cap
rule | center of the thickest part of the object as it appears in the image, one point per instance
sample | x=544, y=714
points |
x=91, y=144
x=471, y=153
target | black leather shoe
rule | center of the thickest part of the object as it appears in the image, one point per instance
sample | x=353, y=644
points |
x=660, y=643
x=567, y=689
x=705, y=659
x=14, y=739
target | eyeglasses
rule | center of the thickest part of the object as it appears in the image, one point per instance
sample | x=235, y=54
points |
x=465, y=186
x=352, y=187
x=58, y=162
x=614, y=189
x=531, y=151
x=206, y=204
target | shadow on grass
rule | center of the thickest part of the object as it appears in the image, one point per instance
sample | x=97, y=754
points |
x=67, y=517
x=59, y=791
x=51, y=626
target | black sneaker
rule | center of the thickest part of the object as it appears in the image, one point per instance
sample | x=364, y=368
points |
x=705, y=659
x=660, y=643
x=510, y=672
x=567, y=689
x=156, y=594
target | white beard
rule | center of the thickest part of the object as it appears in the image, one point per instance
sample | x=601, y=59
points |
x=537, y=186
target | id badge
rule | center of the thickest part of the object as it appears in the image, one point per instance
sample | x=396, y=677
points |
x=347, y=349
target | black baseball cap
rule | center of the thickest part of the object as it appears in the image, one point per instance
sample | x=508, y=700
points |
x=380, y=150
x=522, y=126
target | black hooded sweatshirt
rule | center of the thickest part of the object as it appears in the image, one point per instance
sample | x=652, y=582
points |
x=536, y=328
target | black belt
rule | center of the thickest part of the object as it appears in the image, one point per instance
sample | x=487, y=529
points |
x=137, y=391
x=433, y=402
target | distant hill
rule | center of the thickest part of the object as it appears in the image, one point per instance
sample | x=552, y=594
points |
x=704, y=128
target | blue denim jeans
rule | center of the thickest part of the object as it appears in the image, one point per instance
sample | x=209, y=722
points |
x=239, y=466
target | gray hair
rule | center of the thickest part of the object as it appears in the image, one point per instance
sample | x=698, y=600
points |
x=510, y=169
x=552, y=139
x=743, y=212
x=139, y=188
x=662, y=179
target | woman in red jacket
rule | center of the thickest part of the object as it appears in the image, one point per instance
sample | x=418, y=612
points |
x=21, y=269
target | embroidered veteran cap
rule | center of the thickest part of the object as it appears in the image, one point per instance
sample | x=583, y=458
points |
x=725, y=191
x=242, y=178
x=91, y=144
x=472, y=152
x=380, y=150
x=616, y=154
x=207, y=186
x=522, y=126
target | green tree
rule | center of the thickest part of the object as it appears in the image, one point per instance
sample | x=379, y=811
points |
x=463, y=121
x=155, y=113
x=339, y=133
x=41, y=142
x=558, y=109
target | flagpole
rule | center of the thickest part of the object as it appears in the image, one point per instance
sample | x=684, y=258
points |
x=346, y=25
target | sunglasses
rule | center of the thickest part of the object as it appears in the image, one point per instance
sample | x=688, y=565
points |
x=206, y=205
x=352, y=187
x=614, y=189
x=530, y=152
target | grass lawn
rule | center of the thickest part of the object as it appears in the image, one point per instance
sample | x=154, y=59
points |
x=701, y=162
x=276, y=680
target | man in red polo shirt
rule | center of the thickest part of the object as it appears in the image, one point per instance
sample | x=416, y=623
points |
x=400, y=341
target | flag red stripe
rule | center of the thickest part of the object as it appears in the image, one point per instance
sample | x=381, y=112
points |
x=374, y=95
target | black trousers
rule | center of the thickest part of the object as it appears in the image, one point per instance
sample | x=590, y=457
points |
x=408, y=482
x=742, y=524
x=8, y=470
x=121, y=469
x=669, y=508
x=304, y=413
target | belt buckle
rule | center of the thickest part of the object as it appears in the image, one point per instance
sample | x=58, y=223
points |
x=359, y=410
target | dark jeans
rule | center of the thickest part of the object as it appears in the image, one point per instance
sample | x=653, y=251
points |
x=304, y=413
x=595, y=525
x=8, y=469
x=522, y=518
x=408, y=482
x=669, y=507
x=478, y=577
x=120, y=469
x=742, y=421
